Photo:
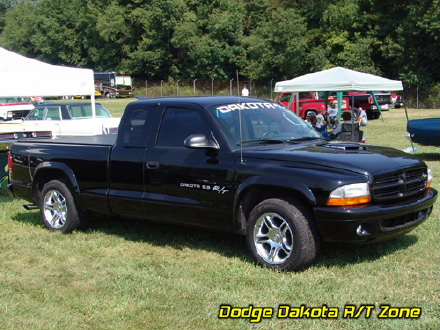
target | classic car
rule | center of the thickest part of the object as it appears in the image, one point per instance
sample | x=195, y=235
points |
x=68, y=118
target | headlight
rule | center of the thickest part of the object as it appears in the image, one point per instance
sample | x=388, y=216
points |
x=429, y=180
x=351, y=194
x=9, y=114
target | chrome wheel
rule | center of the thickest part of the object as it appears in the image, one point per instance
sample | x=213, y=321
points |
x=55, y=209
x=273, y=238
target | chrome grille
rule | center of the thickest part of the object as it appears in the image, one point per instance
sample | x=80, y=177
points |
x=399, y=185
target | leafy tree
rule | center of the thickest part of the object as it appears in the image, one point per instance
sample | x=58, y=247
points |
x=263, y=39
x=277, y=47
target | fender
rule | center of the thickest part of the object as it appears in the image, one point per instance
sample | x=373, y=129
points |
x=279, y=182
x=68, y=172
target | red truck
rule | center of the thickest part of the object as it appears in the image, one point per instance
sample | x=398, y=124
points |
x=308, y=102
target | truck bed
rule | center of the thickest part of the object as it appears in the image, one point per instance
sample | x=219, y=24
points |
x=102, y=140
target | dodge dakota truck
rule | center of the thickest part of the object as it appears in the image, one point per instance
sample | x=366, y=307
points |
x=236, y=164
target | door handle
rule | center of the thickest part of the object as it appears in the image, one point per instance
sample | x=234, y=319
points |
x=152, y=165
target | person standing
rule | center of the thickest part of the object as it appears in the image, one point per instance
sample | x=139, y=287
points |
x=245, y=91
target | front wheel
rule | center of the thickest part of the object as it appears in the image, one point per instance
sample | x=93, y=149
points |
x=58, y=208
x=280, y=235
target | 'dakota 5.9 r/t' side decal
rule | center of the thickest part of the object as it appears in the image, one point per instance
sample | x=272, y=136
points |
x=215, y=188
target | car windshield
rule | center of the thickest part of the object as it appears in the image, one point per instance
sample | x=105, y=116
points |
x=45, y=113
x=7, y=100
x=262, y=122
x=76, y=111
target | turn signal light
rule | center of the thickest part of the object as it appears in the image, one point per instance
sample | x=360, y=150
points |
x=348, y=201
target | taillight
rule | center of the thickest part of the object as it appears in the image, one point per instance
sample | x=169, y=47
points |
x=371, y=100
x=10, y=164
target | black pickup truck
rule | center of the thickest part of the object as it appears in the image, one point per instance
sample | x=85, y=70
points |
x=234, y=164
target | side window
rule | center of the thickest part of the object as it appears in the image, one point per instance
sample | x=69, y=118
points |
x=179, y=123
x=76, y=111
x=53, y=113
x=87, y=110
x=134, y=130
x=285, y=98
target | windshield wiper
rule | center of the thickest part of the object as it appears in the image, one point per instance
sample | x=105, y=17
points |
x=305, y=138
x=271, y=141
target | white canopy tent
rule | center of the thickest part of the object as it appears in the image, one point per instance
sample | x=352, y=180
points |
x=22, y=76
x=338, y=79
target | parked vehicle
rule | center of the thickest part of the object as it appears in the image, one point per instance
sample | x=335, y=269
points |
x=424, y=131
x=397, y=100
x=308, y=102
x=246, y=166
x=113, y=84
x=67, y=119
x=14, y=107
x=366, y=102
x=6, y=140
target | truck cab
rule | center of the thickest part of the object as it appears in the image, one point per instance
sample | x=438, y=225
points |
x=14, y=107
x=308, y=102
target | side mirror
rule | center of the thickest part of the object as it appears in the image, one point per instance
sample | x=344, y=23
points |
x=200, y=141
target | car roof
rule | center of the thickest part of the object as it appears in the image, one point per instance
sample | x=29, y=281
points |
x=204, y=101
x=55, y=104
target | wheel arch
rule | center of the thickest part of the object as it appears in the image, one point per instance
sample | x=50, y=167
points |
x=47, y=171
x=255, y=190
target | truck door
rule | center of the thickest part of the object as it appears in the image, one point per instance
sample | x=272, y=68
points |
x=182, y=185
x=127, y=164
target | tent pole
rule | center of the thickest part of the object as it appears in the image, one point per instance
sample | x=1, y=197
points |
x=339, y=95
x=290, y=100
x=92, y=100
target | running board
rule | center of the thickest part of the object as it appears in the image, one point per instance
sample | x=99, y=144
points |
x=31, y=207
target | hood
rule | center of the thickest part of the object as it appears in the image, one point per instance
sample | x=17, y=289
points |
x=354, y=157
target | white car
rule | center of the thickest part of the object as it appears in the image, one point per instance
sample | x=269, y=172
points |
x=66, y=119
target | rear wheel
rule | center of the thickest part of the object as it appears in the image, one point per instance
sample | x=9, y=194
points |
x=280, y=235
x=58, y=208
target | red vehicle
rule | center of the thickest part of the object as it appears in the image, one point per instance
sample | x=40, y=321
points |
x=366, y=101
x=308, y=102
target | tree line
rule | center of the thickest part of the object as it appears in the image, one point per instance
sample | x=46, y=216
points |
x=212, y=39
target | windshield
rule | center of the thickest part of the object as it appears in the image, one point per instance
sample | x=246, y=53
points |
x=262, y=122
x=45, y=113
x=123, y=80
x=7, y=100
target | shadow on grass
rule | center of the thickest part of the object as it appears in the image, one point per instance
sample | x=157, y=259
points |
x=226, y=244
x=175, y=236
x=344, y=254
x=428, y=156
x=31, y=218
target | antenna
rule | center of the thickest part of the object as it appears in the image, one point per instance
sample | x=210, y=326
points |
x=241, y=135
x=238, y=85
x=239, y=121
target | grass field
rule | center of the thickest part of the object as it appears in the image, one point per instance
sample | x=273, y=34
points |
x=138, y=275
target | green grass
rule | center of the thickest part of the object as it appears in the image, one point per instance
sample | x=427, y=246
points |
x=133, y=274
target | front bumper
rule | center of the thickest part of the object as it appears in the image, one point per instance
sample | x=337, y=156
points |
x=372, y=222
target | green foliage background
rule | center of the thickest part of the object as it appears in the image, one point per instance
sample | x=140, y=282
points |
x=263, y=39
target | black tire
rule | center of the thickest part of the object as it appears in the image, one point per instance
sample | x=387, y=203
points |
x=58, y=208
x=290, y=244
